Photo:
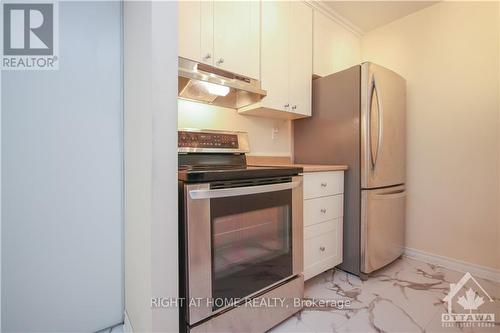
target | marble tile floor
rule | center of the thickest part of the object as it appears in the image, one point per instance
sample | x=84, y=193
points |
x=406, y=296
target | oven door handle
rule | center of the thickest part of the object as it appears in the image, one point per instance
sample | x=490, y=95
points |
x=238, y=191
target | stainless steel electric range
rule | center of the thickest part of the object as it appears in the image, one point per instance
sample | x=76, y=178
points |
x=240, y=236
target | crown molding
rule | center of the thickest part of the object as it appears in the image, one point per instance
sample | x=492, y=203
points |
x=334, y=16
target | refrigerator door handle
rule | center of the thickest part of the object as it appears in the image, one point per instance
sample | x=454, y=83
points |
x=374, y=91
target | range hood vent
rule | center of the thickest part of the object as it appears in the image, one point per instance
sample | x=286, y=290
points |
x=206, y=84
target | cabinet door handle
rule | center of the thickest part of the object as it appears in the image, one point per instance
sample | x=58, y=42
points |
x=220, y=61
x=286, y=105
x=323, y=210
x=207, y=56
x=324, y=184
x=294, y=107
x=322, y=248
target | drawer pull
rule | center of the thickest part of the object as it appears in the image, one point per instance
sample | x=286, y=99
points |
x=322, y=248
x=323, y=210
x=324, y=184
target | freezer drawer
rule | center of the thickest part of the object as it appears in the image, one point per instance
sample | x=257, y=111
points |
x=382, y=226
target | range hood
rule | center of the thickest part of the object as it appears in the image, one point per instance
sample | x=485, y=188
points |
x=207, y=84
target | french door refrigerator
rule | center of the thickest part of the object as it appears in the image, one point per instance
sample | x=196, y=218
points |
x=359, y=119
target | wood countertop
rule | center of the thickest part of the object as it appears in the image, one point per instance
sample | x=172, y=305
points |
x=287, y=161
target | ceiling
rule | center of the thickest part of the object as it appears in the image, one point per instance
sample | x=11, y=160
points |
x=368, y=15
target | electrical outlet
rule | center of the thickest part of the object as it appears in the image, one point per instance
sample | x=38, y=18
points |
x=274, y=133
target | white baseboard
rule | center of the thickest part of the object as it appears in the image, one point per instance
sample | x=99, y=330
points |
x=454, y=264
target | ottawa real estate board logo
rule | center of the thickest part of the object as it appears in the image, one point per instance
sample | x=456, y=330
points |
x=464, y=301
x=29, y=35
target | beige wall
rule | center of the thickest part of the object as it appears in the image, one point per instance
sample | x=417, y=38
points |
x=498, y=202
x=197, y=115
x=449, y=54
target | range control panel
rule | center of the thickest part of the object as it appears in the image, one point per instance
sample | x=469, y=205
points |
x=207, y=140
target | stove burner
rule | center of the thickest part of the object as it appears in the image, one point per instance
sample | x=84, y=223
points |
x=215, y=163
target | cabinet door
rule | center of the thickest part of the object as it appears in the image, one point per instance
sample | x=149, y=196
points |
x=196, y=36
x=300, y=57
x=275, y=54
x=206, y=32
x=189, y=29
x=335, y=48
x=322, y=247
x=236, y=36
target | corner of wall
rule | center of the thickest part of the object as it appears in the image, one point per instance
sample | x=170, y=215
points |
x=150, y=83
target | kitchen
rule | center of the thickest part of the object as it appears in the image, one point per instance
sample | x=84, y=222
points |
x=292, y=166
x=354, y=179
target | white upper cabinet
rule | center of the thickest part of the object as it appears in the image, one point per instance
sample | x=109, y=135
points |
x=335, y=47
x=301, y=31
x=275, y=54
x=282, y=43
x=236, y=36
x=190, y=29
x=286, y=61
x=206, y=31
x=223, y=34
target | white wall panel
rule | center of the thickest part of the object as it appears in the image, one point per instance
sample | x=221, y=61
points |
x=62, y=180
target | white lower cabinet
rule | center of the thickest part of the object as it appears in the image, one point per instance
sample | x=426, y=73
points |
x=323, y=221
x=323, y=209
x=322, y=247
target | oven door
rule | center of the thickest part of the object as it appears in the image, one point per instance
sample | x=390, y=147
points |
x=241, y=240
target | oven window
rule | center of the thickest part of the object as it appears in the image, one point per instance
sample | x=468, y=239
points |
x=251, y=243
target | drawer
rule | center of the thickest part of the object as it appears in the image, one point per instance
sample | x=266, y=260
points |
x=321, y=184
x=323, y=209
x=322, y=247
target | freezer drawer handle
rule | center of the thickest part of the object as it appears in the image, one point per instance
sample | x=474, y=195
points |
x=392, y=194
x=238, y=191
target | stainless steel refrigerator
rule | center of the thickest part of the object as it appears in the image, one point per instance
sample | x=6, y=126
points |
x=359, y=119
